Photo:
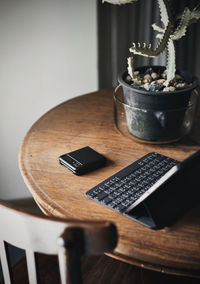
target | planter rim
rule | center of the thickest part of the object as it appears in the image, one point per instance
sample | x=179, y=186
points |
x=194, y=82
x=117, y=99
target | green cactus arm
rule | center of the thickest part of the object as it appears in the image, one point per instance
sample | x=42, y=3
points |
x=118, y=2
x=164, y=11
x=164, y=33
x=131, y=72
x=182, y=27
x=147, y=51
x=171, y=62
x=130, y=66
x=158, y=28
x=195, y=15
x=187, y=18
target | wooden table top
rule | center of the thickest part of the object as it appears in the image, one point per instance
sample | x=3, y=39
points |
x=88, y=121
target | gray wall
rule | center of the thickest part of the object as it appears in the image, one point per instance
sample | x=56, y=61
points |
x=48, y=54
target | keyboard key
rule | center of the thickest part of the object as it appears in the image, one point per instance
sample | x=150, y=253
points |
x=92, y=194
x=106, y=200
x=101, y=196
x=113, y=204
x=120, y=207
x=109, y=190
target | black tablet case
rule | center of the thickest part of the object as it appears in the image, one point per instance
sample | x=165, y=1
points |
x=172, y=198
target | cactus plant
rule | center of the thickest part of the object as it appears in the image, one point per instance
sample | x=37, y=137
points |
x=173, y=28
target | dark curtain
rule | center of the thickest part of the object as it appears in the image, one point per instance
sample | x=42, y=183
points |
x=119, y=26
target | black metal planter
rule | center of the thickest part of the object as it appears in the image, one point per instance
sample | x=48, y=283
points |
x=159, y=116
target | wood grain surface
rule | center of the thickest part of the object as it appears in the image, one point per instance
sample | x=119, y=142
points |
x=88, y=121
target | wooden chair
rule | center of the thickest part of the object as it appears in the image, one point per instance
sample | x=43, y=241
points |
x=62, y=243
x=68, y=239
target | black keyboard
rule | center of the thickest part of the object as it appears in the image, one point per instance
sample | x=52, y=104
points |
x=124, y=189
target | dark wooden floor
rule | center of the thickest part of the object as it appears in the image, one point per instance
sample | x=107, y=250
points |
x=99, y=270
x=114, y=272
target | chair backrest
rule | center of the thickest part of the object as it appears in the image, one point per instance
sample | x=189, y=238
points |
x=69, y=239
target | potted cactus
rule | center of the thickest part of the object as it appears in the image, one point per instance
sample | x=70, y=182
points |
x=158, y=100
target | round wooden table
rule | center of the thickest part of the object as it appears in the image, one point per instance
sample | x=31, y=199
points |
x=88, y=121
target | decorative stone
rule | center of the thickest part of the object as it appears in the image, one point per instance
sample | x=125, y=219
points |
x=169, y=89
x=137, y=82
x=154, y=75
x=180, y=85
x=136, y=73
x=147, y=78
x=156, y=87
x=147, y=86
x=128, y=79
x=160, y=81
x=164, y=75
x=139, y=78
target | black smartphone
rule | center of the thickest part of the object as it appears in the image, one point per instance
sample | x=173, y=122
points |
x=83, y=160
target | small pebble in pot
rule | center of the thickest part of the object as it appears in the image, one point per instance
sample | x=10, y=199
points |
x=136, y=73
x=147, y=86
x=155, y=87
x=169, y=89
x=164, y=75
x=137, y=82
x=154, y=75
x=147, y=78
x=180, y=85
x=128, y=79
x=160, y=81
